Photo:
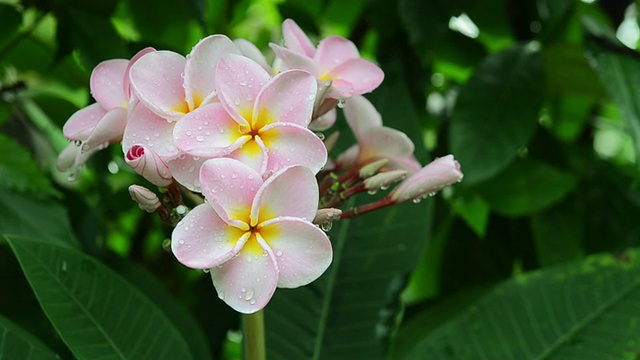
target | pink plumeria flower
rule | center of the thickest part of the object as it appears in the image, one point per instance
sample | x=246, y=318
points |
x=253, y=235
x=336, y=60
x=260, y=121
x=171, y=85
x=433, y=177
x=376, y=141
x=149, y=165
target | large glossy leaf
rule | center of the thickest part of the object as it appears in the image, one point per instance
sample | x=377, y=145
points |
x=96, y=312
x=497, y=111
x=526, y=187
x=18, y=170
x=348, y=312
x=36, y=217
x=583, y=310
x=619, y=71
x=16, y=343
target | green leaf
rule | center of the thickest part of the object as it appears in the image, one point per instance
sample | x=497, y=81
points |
x=18, y=170
x=557, y=234
x=619, y=70
x=583, y=310
x=526, y=187
x=96, y=312
x=474, y=212
x=35, y=217
x=349, y=311
x=16, y=343
x=496, y=112
x=11, y=21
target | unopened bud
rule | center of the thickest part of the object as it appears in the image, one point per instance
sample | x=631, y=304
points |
x=349, y=157
x=372, y=168
x=149, y=165
x=431, y=178
x=147, y=200
x=383, y=180
x=327, y=215
x=321, y=105
x=331, y=140
x=324, y=121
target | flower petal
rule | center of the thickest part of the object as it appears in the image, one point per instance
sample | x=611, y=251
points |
x=230, y=187
x=294, y=60
x=203, y=240
x=206, y=131
x=199, y=70
x=362, y=75
x=296, y=40
x=433, y=177
x=361, y=115
x=290, y=192
x=253, y=153
x=247, y=282
x=82, y=122
x=157, y=81
x=290, y=144
x=384, y=142
x=149, y=165
x=134, y=59
x=109, y=129
x=303, y=251
x=333, y=51
x=146, y=128
x=248, y=49
x=289, y=97
x=107, y=83
x=238, y=81
x=324, y=121
x=186, y=170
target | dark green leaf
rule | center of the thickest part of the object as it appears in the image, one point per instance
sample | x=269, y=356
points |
x=568, y=72
x=16, y=343
x=35, y=217
x=18, y=170
x=619, y=71
x=557, y=234
x=583, y=310
x=11, y=21
x=527, y=186
x=474, y=212
x=497, y=112
x=97, y=313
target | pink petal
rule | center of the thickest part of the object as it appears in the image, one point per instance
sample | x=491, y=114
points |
x=291, y=145
x=252, y=153
x=384, y=142
x=349, y=157
x=146, y=128
x=207, y=131
x=148, y=165
x=247, y=282
x=303, y=251
x=248, y=49
x=109, y=129
x=289, y=97
x=157, y=81
x=107, y=83
x=361, y=115
x=362, y=76
x=136, y=57
x=202, y=240
x=294, y=60
x=199, y=70
x=291, y=192
x=324, y=122
x=238, y=81
x=333, y=51
x=230, y=187
x=296, y=40
x=186, y=171
x=436, y=175
x=82, y=122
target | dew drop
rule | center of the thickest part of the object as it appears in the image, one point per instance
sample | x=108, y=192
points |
x=248, y=295
x=206, y=271
x=326, y=226
x=181, y=242
x=279, y=253
x=416, y=200
x=200, y=138
x=341, y=103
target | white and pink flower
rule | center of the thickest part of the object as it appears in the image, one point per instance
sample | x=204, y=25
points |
x=253, y=235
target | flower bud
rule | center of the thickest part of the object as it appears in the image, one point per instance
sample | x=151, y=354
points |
x=372, y=168
x=436, y=175
x=148, y=164
x=331, y=141
x=147, y=200
x=383, y=180
x=327, y=215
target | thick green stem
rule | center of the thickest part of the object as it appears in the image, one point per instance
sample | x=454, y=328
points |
x=253, y=327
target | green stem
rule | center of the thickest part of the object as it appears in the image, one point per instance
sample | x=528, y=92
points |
x=253, y=327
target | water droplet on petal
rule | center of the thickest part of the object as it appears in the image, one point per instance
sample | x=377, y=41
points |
x=326, y=226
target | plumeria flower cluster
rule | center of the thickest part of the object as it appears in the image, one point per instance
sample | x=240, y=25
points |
x=237, y=135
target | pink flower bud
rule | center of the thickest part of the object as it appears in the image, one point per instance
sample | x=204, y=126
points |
x=327, y=215
x=384, y=180
x=436, y=175
x=147, y=200
x=148, y=164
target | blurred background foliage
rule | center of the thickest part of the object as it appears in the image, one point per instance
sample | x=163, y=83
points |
x=533, y=256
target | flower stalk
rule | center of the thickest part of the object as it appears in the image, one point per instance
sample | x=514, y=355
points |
x=253, y=337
